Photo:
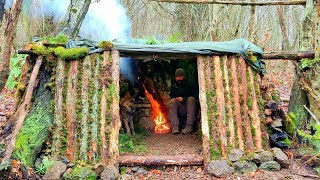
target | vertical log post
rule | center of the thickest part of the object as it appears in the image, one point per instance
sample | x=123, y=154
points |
x=228, y=102
x=244, y=90
x=23, y=110
x=85, y=108
x=103, y=113
x=236, y=100
x=317, y=30
x=58, y=106
x=220, y=105
x=255, y=112
x=114, y=109
x=204, y=111
x=71, y=110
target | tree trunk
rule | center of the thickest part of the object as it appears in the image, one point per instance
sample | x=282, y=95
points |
x=181, y=160
x=9, y=37
x=77, y=10
x=251, y=23
x=285, y=41
x=307, y=31
x=241, y=3
x=317, y=30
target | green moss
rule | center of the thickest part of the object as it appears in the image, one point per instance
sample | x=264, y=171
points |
x=306, y=63
x=286, y=142
x=71, y=54
x=315, y=138
x=105, y=45
x=39, y=50
x=81, y=173
x=34, y=131
x=289, y=124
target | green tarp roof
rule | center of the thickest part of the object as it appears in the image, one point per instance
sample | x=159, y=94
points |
x=237, y=46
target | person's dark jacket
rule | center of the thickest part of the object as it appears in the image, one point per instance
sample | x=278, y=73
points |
x=182, y=89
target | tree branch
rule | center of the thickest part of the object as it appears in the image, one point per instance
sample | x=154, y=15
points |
x=241, y=3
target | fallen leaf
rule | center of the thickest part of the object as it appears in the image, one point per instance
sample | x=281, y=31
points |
x=155, y=171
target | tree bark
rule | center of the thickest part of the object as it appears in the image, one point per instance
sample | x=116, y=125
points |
x=289, y=55
x=77, y=10
x=241, y=3
x=307, y=32
x=204, y=111
x=285, y=41
x=317, y=30
x=10, y=33
x=251, y=23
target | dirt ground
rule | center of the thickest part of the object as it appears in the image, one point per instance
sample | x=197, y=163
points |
x=171, y=144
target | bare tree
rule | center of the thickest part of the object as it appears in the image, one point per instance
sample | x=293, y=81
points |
x=77, y=10
x=10, y=32
x=2, y=3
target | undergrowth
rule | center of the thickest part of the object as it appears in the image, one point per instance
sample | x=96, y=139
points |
x=16, y=62
x=134, y=143
x=44, y=166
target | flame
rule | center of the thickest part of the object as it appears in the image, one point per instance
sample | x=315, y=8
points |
x=161, y=123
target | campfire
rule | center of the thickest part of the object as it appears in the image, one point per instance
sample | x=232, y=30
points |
x=157, y=115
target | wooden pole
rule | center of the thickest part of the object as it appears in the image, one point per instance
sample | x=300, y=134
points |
x=71, y=111
x=221, y=105
x=180, y=160
x=204, y=112
x=22, y=111
x=255, y=112
x=236, y=100
x=244, y=92
x=58, y=107
x=114, y=109
x=241, y=3
x=230, y=114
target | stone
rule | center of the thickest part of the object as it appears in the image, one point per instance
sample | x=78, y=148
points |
x=70, y=165
x=245, y=166
x=142, y=171
x=98, y=168
x=276, y=123
x=270, y=166
x=235, y=155
x=110, y=173
x=56, y=171
x=135, y=169
x=220, y=168
x=263, y=156
x=37, y=163
x=281, y=157
x=80, y=173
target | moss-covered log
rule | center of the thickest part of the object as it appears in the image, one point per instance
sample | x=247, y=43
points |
x=244, y=104
x=236, y=100
x=204, y=111
x=58, y=107
x=23, y=110
x=71, y=111
x=35, y=130
x=220, y=105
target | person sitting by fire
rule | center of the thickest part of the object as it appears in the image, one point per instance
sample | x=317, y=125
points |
x=182, y=104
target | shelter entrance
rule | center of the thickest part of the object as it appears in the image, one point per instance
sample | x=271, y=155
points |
x=139, y=137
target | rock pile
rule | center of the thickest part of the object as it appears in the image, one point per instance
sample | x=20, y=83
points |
x=269, y=160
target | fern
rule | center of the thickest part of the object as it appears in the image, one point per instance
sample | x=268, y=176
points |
x=44, y=166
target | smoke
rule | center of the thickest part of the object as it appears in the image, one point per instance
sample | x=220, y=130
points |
x=127, y=70
x=106, y=20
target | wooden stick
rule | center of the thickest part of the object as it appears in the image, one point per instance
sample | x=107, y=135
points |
x=221, y=105
x=313, y=116
x=226, y=66
x=22, y=111
x=241, y=3
x=204, y=111
x=58, y=106
x=244, y=91
x=71, y=111
x=236, y=99
x=150, y=160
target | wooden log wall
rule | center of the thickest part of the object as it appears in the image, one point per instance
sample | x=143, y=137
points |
x=86, y=109
x=231, y=106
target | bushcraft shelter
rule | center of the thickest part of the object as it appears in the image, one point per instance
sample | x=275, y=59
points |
x=85, y=110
